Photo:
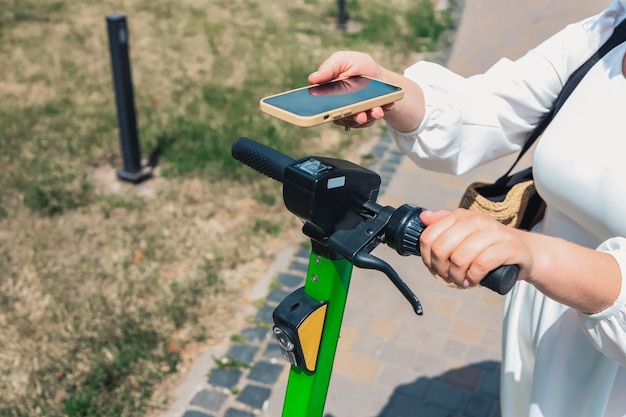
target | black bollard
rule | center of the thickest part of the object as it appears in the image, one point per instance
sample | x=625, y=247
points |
x=342, y=18
x=125, y=101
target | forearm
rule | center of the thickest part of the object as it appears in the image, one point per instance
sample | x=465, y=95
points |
x=582, y=278
x=407, y=113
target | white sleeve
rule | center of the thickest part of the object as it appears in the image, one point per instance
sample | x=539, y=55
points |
x=471, y=121
x=607, y=329
x=461, y=127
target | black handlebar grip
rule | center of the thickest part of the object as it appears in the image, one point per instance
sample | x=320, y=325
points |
x=501, y=279
x=261, y=158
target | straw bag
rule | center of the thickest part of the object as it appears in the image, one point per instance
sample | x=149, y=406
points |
x=512, y=199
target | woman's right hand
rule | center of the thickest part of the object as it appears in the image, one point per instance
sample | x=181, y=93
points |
x=345, y=64
x=405, y=115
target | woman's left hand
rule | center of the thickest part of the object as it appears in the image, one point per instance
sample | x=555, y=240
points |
x=463, y=246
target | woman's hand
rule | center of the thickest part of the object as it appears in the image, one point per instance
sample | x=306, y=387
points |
x=346, y=64
x=463, y=246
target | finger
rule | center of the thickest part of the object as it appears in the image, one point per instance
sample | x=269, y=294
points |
x=429, y=217
x=448, y=257
x=377, y=113
x=319, y=77
x=361, y=117
x=335, y=66
x=482, y=264
x=470, y=251
x=445, y=234
x=437, y=223
x=367, y=118
x=428, y=236
x=489, y=247
x=506, y=251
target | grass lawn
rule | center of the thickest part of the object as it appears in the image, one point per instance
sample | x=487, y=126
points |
x=107, y=289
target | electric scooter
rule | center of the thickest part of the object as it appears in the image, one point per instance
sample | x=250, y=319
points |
x=336, y=199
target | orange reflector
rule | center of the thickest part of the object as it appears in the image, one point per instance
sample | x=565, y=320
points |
x=310, y=335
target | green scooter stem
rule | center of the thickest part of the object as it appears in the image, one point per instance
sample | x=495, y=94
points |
x=327, y=280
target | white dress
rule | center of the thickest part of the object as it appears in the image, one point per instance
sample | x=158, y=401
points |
x=557, y=362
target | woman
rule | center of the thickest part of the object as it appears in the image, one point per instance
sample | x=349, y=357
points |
x=565, y=321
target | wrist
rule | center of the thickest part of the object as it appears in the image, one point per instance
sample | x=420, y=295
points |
x=407, y=113
x=582, y=278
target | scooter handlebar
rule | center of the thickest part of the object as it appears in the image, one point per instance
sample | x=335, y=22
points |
x=261, y=158
x=405, y=226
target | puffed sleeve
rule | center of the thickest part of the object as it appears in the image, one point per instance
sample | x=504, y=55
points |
x=471, y=121
x=607, y=329
x=443, y=141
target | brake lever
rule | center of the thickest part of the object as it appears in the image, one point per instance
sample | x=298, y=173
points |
x=369, y=261
x=356, y=244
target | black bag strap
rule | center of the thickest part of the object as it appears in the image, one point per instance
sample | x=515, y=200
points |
x=618, y=36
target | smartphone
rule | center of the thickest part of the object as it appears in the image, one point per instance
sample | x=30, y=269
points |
x=321, y=103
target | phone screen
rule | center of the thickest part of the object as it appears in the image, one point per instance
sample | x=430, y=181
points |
x=332, y=95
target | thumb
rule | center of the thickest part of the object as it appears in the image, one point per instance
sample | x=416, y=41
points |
x=430, y=217
x=322, y=75
x=337, y=65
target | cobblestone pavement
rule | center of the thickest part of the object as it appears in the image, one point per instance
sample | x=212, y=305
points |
x=391, y=363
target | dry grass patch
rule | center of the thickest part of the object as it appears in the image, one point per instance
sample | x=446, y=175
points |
x=105, y=287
